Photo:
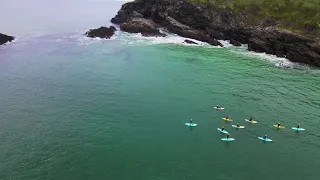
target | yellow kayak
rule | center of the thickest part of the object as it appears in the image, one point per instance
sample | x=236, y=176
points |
x=276, y=126
x=229, y=120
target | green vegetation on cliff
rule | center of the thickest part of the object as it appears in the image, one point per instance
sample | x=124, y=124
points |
x=293, y=14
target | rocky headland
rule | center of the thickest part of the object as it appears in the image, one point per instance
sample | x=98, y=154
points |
x=5, y=38
x=207, y=23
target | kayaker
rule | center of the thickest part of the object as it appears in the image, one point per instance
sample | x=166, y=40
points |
x=222, y=128
x=218, y=107
x=191, y=121
x=228, y=135
x=250, y=119
x=279, y=125
x=238, y=125
x=298, y=125
x=227, y=117
x=265, y=136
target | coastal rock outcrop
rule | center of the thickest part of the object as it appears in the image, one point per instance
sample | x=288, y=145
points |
x=141, y=25
x=179, y=17
x=204, y=22
x=5, y=38
x=295, y=47
x=102, y=32
x=189, y=41
x=235, y=42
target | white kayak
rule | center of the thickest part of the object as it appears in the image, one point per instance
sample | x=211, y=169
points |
x=263, y=139
x=252, y=122
x=219, y=108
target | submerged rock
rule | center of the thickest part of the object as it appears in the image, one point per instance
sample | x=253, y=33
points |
x=102, y=32
x=5, y=38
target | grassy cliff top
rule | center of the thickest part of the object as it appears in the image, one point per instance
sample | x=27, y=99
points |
x=296, y=15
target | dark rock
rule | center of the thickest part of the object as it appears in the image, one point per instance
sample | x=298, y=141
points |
x=200, y=36
x=136, y=14
x=5, y=38
x=258, y=45
x=315, y=47
x=141, y=25
x=310, y=28
x=189, y=41
x=285, y=44
x=153, y=34
x=239, y=34
x=215, y=43
x=235, y=43
x=133, y=9
x=215, y=34
x=102, y=32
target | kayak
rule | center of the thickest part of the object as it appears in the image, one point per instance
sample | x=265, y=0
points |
x=227, y=139
x=223, y=131
x=219, y=108
x=229, y=120
x=298, y=129
x=191, y=124
x=276, y=126
x=267, y=139
x=240, y=127
x=252, y=122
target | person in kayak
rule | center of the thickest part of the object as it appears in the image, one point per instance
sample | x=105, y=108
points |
x=250, y=119
x=298, y=125
x=238, y=125
x=191, y=121
x=265, y=136
x=222, y=128
x=218, y=107
x=279, y=125
x=228, y=135
x=227, y=117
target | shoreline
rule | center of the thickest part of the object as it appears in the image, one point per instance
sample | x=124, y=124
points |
x=137, y=39
x=188, y=20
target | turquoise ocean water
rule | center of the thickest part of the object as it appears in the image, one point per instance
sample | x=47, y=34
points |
x=76, y=108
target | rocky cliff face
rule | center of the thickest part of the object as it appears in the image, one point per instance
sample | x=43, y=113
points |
x=4, y=38
x=209, y=24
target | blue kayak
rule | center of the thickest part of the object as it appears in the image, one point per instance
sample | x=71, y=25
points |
x=263, y=139
x=191, y=124
x=223, y=131
x=227, y=139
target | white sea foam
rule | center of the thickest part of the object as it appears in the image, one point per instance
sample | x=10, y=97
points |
x=132, y=39
x=278, y=61
x=226, y=43
x=84, y=40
